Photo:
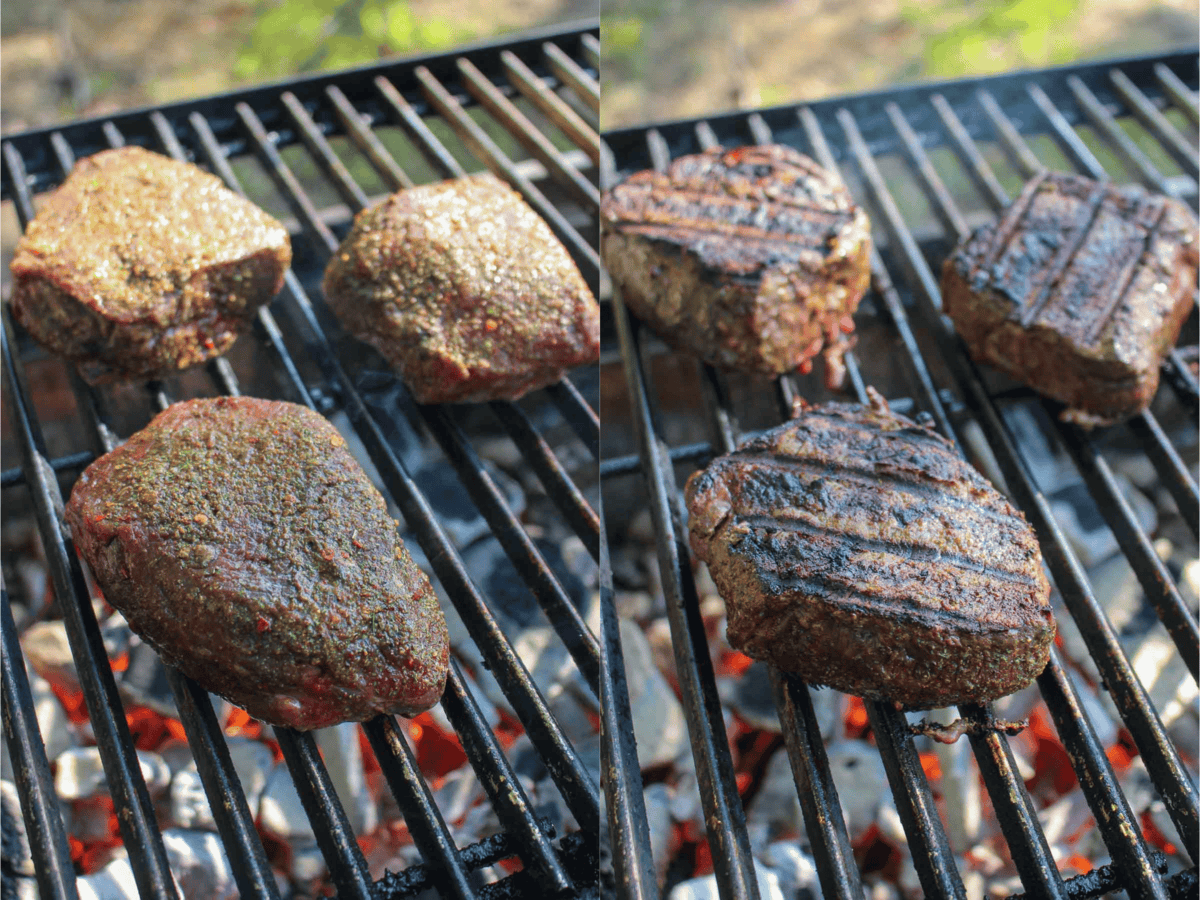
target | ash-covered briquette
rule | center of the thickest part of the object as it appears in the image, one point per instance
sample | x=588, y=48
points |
x=139, y=266
x=858, y=550
x=753, y=259
x=242, y=540
x=465, y=291
x=1079, y=291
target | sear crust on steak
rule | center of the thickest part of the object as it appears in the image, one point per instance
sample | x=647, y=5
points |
x=1079, y=291
x=465, y=291
x=243, y=541
x=752, y=259
x=859, y=551
x=139, y=266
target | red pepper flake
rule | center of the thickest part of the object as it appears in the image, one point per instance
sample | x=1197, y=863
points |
x=357, y=543
x=327, y=554
x=491, y=324
x=806, y=367
x=99, y=518
x=263, y=625
x=209, y=345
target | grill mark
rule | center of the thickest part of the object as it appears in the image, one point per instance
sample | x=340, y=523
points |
x=697, y=195
x=1063, y=259
x=1008, y=225
x=917, y=552
x=678, y=230
x=1103, y=318
x=872, y=478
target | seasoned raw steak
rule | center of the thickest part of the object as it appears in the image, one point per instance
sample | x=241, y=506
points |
x=858, y=550
x=139, y=266
x=466, y=291
x=1079, y=291
x=752, y=259
x=242, y=540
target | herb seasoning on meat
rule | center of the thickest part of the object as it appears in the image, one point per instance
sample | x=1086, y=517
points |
x=1079, y=291
x=465, y=291
x=139, y=266
x=753, y=259
x=858, y=550
x=243, y=541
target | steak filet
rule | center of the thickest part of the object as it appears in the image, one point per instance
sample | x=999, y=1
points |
x=139, y=266
x=753, y=259
x=465, y=291
x=243, y=541
x=859, y=551
x=1079, y=291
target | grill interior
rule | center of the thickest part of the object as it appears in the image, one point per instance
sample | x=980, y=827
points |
x=929, y=163
x=313, y=152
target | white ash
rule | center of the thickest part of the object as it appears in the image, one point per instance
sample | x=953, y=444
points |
x=343, y=759
x=657, y=799
x=658, y=722
x=280, y=810
x=705, y=888
x=776, y=804
x=114, y=882
x=860, y=779
x=17, y=857
x=56, y=730
x=751, y=696
x=1065, y=818
x=460, y=791
x=307, y=863
x=794, y=869
x=1085, y=529
x=81, y=774
x=959, y=785
x=252, y=763
x=199, y=864
x=487, y=709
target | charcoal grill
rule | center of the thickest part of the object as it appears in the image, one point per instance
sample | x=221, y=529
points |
x=524, y=108
x=928, y=162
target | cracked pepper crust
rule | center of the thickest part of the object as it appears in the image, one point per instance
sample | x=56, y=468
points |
x=241, y=539
x=139, y=266
x=465, y=290
x=753, y=259
x=858, y=550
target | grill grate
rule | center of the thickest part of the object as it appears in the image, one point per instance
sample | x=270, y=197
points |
x=422, y=97
x=1079, y=113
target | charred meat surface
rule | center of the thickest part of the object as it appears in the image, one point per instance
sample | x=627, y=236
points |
x=1079, y=291
x=856, y=549
x=465, y=291
x=752, y=259
x=243, y=541
x=138, y=266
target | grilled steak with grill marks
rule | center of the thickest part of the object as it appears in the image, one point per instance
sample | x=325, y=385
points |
x=466, y=291
x=1079, y=291
x=753, y=259
x=243, y=541
x=858, y=550
x=139, y=266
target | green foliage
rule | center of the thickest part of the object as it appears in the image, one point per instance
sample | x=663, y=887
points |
x=293, y=36
x=992, y=35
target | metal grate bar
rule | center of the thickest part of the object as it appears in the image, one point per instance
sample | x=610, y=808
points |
x=552, y=106
x=1141, y=718
x=577, y=512
x=493, y=157
x=1152, y=572
x=578, y=414
x=1181, y=95
x=487, y=497
x=1015, y=148
x=314, y=141
x=357, y=126
x=977, y=167
x=73, y=462
x=1118, y=139
x=436, y=155
x=532, y=139
x=138, y=831
x=1179, y=148
x=572, y=74
x=1074, y=147
x=35, y=784
x=944, y=206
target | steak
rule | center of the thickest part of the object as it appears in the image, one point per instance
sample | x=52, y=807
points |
x=465, y=291
x=856, y=549
x=1079, y=291
x=243, y=541
x=753, y=259
x=139, y=266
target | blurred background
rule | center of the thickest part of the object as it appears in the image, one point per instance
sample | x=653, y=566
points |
x=667, y=59
x=69, y=59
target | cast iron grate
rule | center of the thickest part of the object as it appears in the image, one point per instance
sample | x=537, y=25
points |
x=527, y=110
x=1084, y=117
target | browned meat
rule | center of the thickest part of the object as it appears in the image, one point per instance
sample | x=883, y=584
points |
x=139, y=266
x=858, y=550
x=466, y=291
x=241, y=539
x=753, y=259
x=1079, y=291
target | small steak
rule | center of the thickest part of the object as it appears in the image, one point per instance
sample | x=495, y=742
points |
x=243, y=541
x=752, y=259
x=858, y=550
x=139, y=266
x=1079, y=291
x=466, y=291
